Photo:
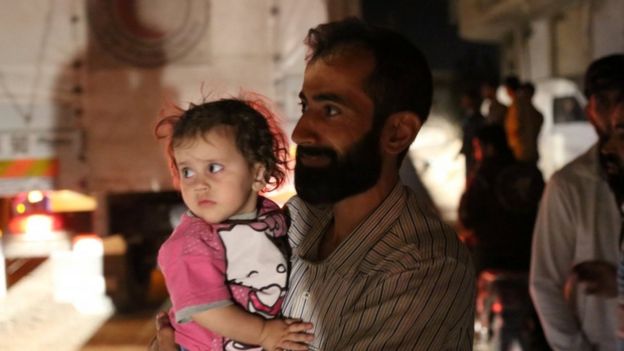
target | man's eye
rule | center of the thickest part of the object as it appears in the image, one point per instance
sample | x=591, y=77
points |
x=186, y=172
x=604, y=101
x=330, y=110
x=303, y=106
x=215, y=168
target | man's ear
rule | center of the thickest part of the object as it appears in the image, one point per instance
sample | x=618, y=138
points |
x=399, y=132
x=259, y=172
x=589, y=107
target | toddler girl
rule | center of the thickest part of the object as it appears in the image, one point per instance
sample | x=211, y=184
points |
x=226, y=263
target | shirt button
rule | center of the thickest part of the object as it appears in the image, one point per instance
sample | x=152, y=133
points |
x=306, y=294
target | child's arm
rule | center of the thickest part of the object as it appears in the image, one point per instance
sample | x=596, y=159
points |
x=237, y=324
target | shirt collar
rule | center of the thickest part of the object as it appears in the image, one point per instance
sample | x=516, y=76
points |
x=348, y=255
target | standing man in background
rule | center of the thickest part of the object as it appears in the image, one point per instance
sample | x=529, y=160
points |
x=472, y=122
x=492, y=109
x=512, y=118
x=530, y=122
x=579, y=223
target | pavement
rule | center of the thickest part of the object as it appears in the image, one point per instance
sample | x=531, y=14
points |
x=33, y=316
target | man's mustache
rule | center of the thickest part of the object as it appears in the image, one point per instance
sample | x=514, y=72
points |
x=316, y=151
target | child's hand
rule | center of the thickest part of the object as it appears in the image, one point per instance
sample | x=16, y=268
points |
x=286, y=334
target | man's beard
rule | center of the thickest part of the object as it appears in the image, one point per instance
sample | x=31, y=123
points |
x=614, y=169
x=355, y=172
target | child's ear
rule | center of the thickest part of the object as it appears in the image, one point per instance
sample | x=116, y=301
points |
x=259, y=172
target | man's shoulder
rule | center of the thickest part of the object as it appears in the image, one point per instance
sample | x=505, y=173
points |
x=420, y=235
x=584, y=166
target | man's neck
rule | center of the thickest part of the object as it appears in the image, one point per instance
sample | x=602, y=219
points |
x=350, y=212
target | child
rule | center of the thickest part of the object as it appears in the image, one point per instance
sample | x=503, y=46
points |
x=226, y=263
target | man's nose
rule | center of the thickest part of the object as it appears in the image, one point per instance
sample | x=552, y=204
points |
x=303, y=133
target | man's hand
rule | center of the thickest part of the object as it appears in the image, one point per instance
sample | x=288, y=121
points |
x=596, y=277
x=164, y=339
x=286, y=334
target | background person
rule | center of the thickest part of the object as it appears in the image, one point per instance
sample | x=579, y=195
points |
x=492, y=109
x=472, y=121
x=500, y=204
x=530, y=122
x=578, y=221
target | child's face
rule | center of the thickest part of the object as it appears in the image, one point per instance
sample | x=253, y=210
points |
x=216, y=181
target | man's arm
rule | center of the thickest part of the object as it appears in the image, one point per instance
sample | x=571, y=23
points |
x=237, y=324
x=554, y=241
x=427, y=308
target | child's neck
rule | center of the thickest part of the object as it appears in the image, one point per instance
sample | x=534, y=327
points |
x=245, y=216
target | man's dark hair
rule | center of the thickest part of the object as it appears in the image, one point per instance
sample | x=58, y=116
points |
x=528, y=88
x=494, y=135
x=491, y=82
x=401, y=79
x=473, y=95
x=605, y=73
x=512, y=83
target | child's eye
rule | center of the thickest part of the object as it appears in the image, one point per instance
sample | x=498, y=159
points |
x=215, y=168
x=186, y=172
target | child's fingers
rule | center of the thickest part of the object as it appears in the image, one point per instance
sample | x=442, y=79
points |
x=305, y=338
x=292, y=346
x=162, y=321
x=298, y=326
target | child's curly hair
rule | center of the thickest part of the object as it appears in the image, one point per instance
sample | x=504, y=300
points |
x=258, y=136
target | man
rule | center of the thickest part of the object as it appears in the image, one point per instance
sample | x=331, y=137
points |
x=472, y=122
x=613, y=150
x=614, y=155
x=530, y=122
x=512, y=118
x=493, y=110
x=371, y=269
x=503, y=193
x=579, y=223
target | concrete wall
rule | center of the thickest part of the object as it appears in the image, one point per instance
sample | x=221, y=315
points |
x=210, y=49
x=607, y=32
x=545, y=38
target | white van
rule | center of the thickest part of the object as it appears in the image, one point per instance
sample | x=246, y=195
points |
x=566, y=132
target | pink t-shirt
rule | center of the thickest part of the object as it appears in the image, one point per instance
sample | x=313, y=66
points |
x=243, y=261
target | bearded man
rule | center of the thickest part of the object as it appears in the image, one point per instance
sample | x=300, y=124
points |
x=372, y=269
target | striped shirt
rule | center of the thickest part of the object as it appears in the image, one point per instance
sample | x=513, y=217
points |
x=400, y=281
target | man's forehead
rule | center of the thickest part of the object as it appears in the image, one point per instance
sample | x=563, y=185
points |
x=338, y=71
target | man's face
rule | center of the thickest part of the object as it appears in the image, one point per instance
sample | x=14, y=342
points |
x=601, y=105
x=613, y=150
x=338, y=152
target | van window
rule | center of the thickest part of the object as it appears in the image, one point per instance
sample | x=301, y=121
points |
x=566, y=109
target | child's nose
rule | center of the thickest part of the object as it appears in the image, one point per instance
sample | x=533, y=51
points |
x=203, y=182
